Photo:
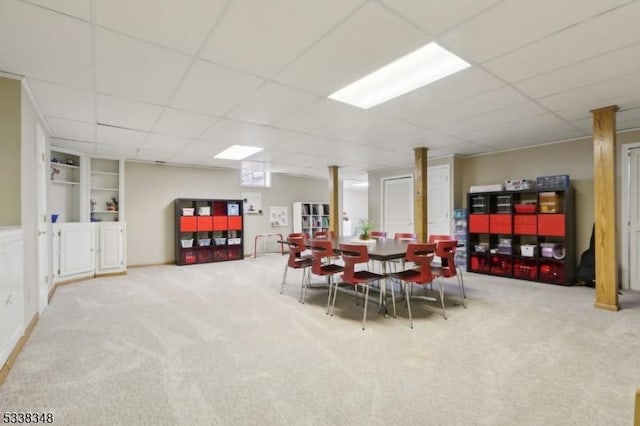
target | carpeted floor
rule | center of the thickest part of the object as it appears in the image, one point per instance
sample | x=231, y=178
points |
x=217, y=344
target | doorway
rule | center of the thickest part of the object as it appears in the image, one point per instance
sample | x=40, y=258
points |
x=397, y=202
x=439, y=200
x=633, y=211
x=42, y=227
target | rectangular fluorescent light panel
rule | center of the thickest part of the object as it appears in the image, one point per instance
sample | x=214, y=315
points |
x=238, y=152
x=412, y=71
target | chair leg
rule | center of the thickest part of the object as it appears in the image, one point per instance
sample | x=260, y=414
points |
x=306, y=281
x=335, y=293
x=393, y=298
x=444, y=312
x=464, y=294
x=461, y=288
x=408, y=302
x=366, y=301
x=330, y=283
x=284, y=277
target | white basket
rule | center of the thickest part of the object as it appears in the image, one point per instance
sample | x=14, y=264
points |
x=235, y=241
x=186, y=243
x=188, y=211
x=220, y=241
x=527, y=250
x=204, y=242
x=204, y=211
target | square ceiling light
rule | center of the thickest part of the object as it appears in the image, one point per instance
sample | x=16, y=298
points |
x=238, y=152
x=410, y=72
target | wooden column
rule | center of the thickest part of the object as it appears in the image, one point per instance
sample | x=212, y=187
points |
x=334, y=200
x=604, y=160
x=636, y=422
x=420, y=212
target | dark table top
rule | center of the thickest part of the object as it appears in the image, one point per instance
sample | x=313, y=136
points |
x=382, y=249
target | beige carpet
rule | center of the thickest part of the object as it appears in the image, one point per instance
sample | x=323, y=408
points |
x=217, y=344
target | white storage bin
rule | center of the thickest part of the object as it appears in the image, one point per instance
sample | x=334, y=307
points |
x=188, y=211
x=235, y=241
x=204, y=242
x=528, y=250
x=187, y=243
x=220, y=241
x=204, y=211
x=233, y=209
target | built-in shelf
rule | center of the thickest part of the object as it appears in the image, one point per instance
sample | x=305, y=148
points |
x=64, y=182
x=104, y=189
x=105, y=211
x=104, y=173
x=70, y=166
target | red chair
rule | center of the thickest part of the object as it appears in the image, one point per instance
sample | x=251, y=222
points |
x=352, y=255
x=378, y=234
x=296, y=261
x=446, y=251
x=323, y=250
x=405, y=236
x=323, y=234
x=437, y=238
x=421, y=254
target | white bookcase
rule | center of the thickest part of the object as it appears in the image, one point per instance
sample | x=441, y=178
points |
x=105, y=190
x=310, y=217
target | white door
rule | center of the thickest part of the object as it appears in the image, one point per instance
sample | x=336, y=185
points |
x=634, y=218
x=43, y=237
x=439, y=200
x=110, y=256
x=397, y=196
x=77, y=253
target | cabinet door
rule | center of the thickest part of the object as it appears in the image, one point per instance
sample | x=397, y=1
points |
x=77, y=250
x=110, y=248
x=551, y=225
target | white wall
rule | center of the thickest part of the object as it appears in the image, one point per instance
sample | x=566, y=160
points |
x=355, y=202
x=150, y=191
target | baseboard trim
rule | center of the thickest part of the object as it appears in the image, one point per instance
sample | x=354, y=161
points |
x=111, y=274
x=13, y=356
x=606, y=307
x=144, y=265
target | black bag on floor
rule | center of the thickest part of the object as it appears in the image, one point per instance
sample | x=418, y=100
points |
x=587, y=268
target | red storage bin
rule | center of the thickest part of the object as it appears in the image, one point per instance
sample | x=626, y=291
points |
x=501, y=265
x=551, y=225
x=479, y=263
x=479, y=223
x=219, y=254
x=205, y=223
x=500, y=223
x=188, y=224
x=220, y=223
x=524, y=269
x=551, y=272
x=188, y=256
x=205, y=255
x=526, y=224
x=234, y=253
x=235, y=223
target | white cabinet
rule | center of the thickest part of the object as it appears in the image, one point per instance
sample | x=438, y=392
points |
x=11, y=290
x=110, y=253
x=310, y=217
x=65, y=191
x=73, y=250
x=83, y=250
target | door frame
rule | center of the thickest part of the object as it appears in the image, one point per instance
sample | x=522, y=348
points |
x=450, y=192
x=625, y=214
x=44, y=277
x=383, y=199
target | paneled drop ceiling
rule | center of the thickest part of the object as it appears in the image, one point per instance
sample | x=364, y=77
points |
x=178, y=81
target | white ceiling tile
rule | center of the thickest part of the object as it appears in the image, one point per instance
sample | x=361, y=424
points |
x=436, y=17
x=268, y=35
x=229, y=131
x=494, y=118
x=486, y=102
x=465, y=84
x=150, y=155
x=116, y=151
x=122, y=112
x=308, y=144
x=202, y=149
x=594, y=37
x=120, y=137
x=270, y=103
x=136, y=70
x=358, y=128
x=583, y=73
x=183, y=124
x=156, y=142
x=211, y=89
x=317, y=114
x=44, y=45
x=267, y=137
x=76, y=130
x=222, y=164
x=63, y=102
x=366, y=41
x=515, y=23
x=78, y=8
x=182, y=25
x=75, y=145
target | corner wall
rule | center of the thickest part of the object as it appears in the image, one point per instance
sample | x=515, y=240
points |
x=10, y=146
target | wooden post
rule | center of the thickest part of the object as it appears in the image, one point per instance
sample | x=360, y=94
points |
x=334, y=200
x=636, y=422
x=420, y=212
x=604, y=159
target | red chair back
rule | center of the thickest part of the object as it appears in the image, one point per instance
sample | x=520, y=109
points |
x=422, y=255
x=320, y=249
x=296, y=246
x=435, y=238
x=404, y=236
x=446, y=251
x=352, y=254
x=378, y=234
x=299, y=235
x=323, y=234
